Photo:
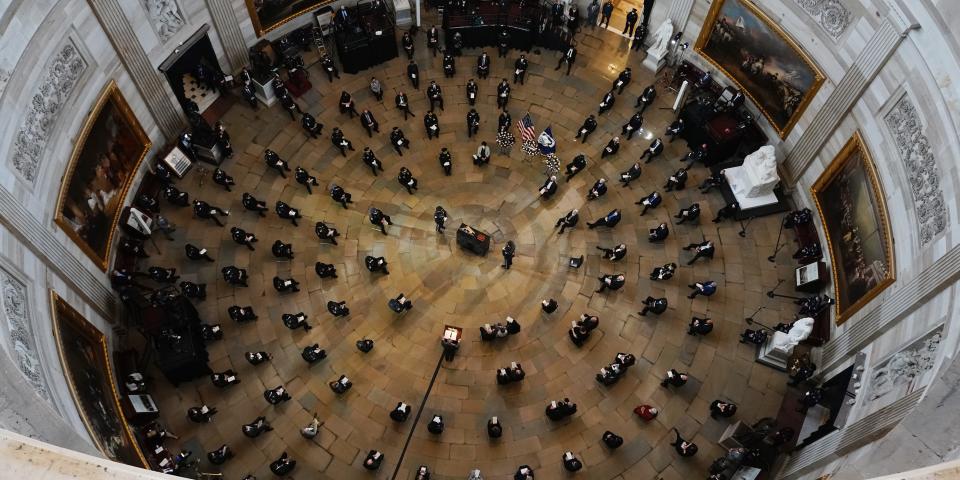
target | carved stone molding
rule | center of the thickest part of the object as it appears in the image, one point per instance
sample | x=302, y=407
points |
x=831, y=15
x=165, y=16
x=53, y=91
x=13, y=294
x=923, y=174
x=4, y=79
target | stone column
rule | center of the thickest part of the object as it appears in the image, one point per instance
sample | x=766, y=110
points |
x=678, y=14
x=848, y=91
x=225, y=21
x=55, y=256
x=147, y=79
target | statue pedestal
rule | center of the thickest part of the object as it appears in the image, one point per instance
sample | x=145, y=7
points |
x=741, y=185
x=655, y=60
x=264, y=91
x=772, y=356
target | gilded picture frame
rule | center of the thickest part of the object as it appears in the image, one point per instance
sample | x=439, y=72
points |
x=85, y=359
x=106, y=156
x=853, y=211
x=761, y=59
x=269, y=15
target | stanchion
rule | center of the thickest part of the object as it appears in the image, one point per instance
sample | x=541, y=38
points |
x=772, y=293
x=773, y=258
x=750, y=321
x=743, y=228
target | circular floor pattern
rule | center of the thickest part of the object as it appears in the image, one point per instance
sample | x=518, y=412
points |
x=449, y=285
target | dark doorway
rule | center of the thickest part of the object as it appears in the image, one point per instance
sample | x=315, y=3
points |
x=181, y=70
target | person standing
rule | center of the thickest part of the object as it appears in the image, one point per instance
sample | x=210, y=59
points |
x=503, y=94
x=568, y=57
x=446, y=161
x=631, y=22
x=606, y=13
x=520, y=68
x=433, y=39
x=473, y=122
x=509, y=250
x=472, y=91
x=440, y=218
x=593, y=12
x=369, y=122
x=413, y=73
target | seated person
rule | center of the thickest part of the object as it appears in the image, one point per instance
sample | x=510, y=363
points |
x=282, y=250
x=326, y=233
x=689, y=214
x=598, y=190
x=494, y=429
x=549, y=187
x=276, y=395
x=610, y=374
x=338, y=309
x=282, y=466
x=578, y=333
x=576, y=166
x=436, y=425
x=503, y=376
x=663, y=273
x=719, y=408
x=677, y=181
x=241, y=314
x=400, y=413
x=286, y=211
x=675, y=129
x=313, y=353
x=615, y=253
x=613, y=146
x=524, y=472
x=611, y=440
x=590, y=322
x=325, y=270
x=646, y=412
x=571, y=463
x=373, y=460
x=256, y=358
x=376, y=264
x=655, y=305
x=365, y=345
x=516, y=372
x=610, y=220
x=224, y=379
x=549, y=306
x=631, y=174
x=283, y=285
x=613, y=282
x=627, y=360
x=650, y=201
x=341, y=385
x=513, y=327
x=659, y=234
x=557, y=410
x=295, y=321
x=400, y=304
x=756, y=337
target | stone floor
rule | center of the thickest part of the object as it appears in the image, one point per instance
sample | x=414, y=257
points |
x=450, y=286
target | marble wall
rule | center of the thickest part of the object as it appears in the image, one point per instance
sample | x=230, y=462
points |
x=908, y=114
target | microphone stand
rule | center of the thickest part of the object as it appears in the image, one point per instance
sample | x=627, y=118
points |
x=750, y=321
x=743, y=227
x=773, y=258
x=771, y=293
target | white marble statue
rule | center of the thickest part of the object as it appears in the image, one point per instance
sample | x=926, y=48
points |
x=166, y=17
x=661, y=40
x=799, y=332
x=758, y=174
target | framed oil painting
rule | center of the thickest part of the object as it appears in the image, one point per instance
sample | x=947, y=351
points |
x=268, y=15
x=106, y=155
x=86, y=365
x=854, y=214
x=766, y=64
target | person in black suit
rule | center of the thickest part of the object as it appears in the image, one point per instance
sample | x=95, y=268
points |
x=310, y=125
x=653, y=151
x=609, y=220
x=702, y=249
x=252, y=204
x=503, y=93
x=615, y=253
x=675, y=129
x=304, y=178
x=677, y=181
x=328, y=66
x=275, y=162
x=435, y=95
x=568, y=221
x=630, y=175
x=324, y=232
x=440, y=218
x=646, y=98
x=432, y=125
x=548, y=188
x=503, y=43
x=632, y=126
x=369, y=122
x=282, y=250
x=483, y=65
x=568, y=57
x=689, y=214
x=286, y=211
x=241, y=237
x=413, y=73
x=576, y=166
x=407, y=43
x=472, y=91
x=446, y=161
x=376, y=264
x=433, y=39
x=473, y=122
x=370, y=159
x=175, y=196
x=589, y=125
x=339, y=195
x=520, y=69
x=613, y=146
x=509, y=250
x=504, y=121
x=449, y=66
x=606, y=103
x=397, y=140
x=406, y=180
x=623, y=80
x=379, y=219
x=655, y=305
x=347, y=105
x=340, y=141
x=206, y=211
x=658, y=234
x=611, y=282
x=403, y=104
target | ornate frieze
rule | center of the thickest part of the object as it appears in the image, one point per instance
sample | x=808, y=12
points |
x=54, y=88
x=831, y=15
x=23, y=345
x=923, y=174
x=165, y=16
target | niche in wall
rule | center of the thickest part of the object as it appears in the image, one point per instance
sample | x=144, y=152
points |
x=180, y=68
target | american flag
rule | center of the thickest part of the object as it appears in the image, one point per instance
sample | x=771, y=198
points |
x=525, y=125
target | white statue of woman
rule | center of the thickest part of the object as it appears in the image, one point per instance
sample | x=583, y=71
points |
x=661, y=39
x=799, y=331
